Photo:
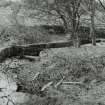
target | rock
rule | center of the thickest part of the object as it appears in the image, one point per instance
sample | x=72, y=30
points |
x=19, y=98
x=7, y=85
x=4, y=101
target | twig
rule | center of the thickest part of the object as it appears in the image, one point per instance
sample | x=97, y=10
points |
x=58, y=83
x=10, y=100
x=36, y=75
x=74, y=83
x=46, y=86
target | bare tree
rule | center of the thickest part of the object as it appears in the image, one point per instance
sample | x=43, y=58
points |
x=89, y=7
x=92, y=26
x=75, y=22
x=67, y=11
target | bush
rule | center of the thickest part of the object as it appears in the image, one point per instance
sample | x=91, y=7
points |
x=24, y=35
x=31, y=35
x=9, y=34
x=100, y=33
x=84, y=34
x=54, y=29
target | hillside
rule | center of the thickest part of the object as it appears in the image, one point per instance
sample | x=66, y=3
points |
x=76, y=75
x=41, y=61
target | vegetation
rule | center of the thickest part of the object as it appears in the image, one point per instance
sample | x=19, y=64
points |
x=74, y=75
x=83, y=71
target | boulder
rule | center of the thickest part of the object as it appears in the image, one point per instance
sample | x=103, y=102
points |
x=8, y=94
x=7, y=85
x=18, y=98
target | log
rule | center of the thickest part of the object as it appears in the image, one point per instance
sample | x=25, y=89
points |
x=30, y=49
x=30, y=58
x=73, y=83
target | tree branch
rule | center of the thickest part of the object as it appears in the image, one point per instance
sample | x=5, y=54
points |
x=101, y=4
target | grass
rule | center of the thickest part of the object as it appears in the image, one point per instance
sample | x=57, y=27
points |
x=85, y=64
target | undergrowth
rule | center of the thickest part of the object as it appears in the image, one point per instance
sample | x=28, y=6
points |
x=23, y=35
x=88, y=70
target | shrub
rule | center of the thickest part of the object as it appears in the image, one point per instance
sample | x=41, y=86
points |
x=9, y=34
x=31, y=35
x=24, y=35
x=54, y=29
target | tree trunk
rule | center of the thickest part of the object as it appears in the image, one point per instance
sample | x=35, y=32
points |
x=75, y=36
x=65, y=25
x=75, y=25
x=92, y=26
x=76, y=40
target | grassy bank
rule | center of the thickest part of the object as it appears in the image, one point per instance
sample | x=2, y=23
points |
x=76, y=75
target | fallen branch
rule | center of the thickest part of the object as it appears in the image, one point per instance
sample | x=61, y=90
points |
x=74, y=83
x=60, y=82
x=46, y=86
x=36, y=75
x=30, y=58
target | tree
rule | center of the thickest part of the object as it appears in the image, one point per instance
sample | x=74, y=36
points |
x=92, y=26
x=66, y=10
x=90, y=10
x=75, y=22
x=69, y=12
